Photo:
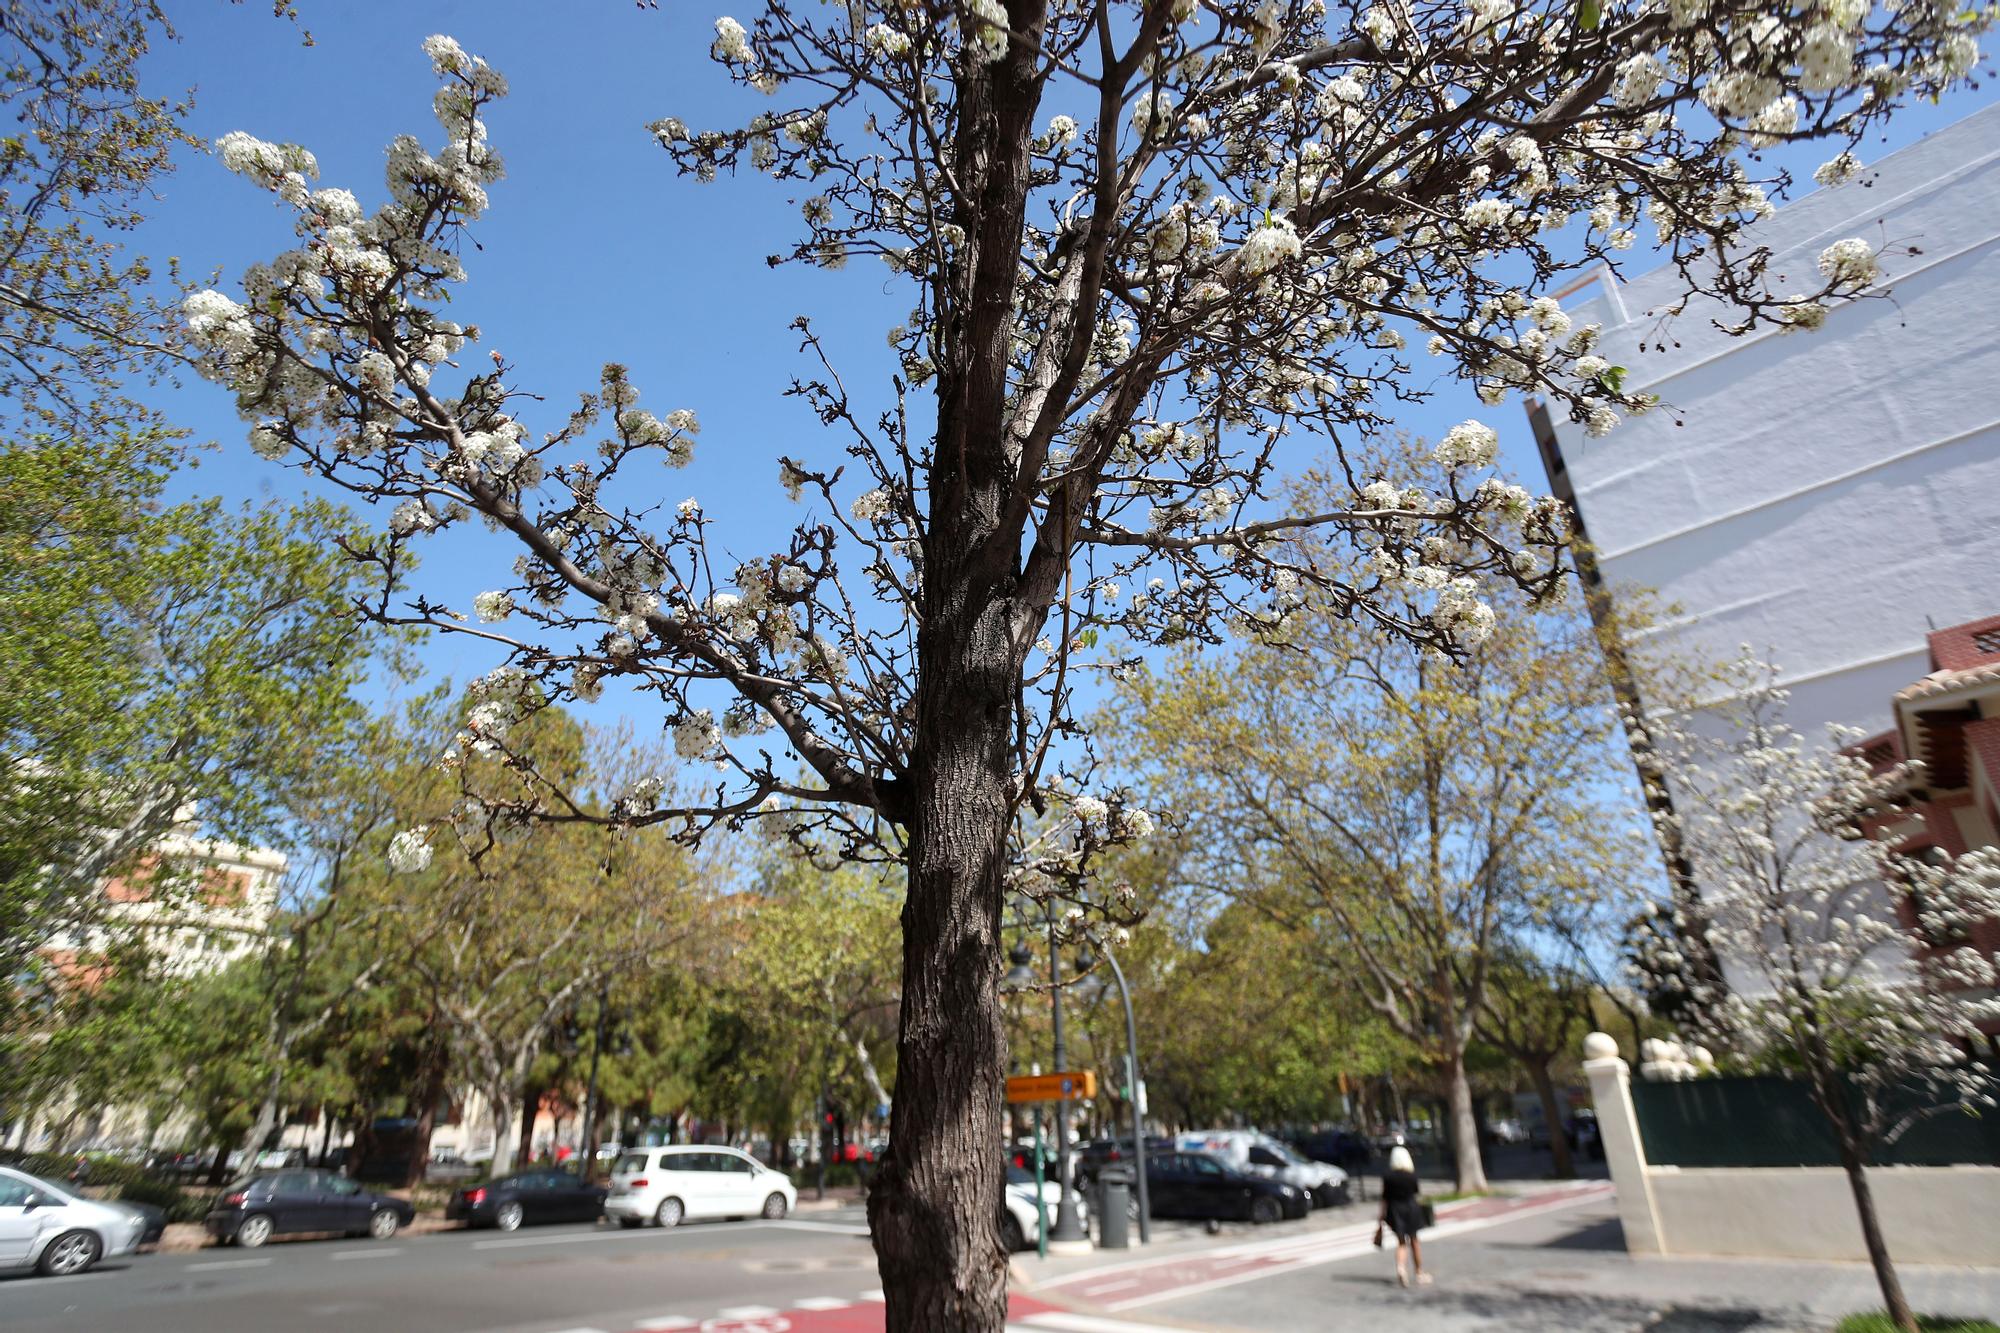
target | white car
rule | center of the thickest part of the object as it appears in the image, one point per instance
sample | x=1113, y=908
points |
x=1018, y=1226
x=664, y=1185
x=1258, y=1154
x=58, y=1233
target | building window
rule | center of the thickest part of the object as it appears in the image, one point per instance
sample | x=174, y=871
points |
x=1987, y=640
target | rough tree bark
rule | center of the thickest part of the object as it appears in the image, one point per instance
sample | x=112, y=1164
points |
x=935, y=1203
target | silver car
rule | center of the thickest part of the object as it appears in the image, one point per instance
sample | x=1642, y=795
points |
x=57, y=1232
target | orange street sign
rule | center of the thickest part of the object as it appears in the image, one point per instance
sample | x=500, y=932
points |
x=1079, y=1086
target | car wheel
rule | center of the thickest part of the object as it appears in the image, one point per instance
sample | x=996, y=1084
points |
x=775, y=1207
x=254, y=1231
x=382, y=1223
x=509, y=1217
x=1011, y=1238
x=1264, y=1209
x=669, y=1213
x=69, y=1254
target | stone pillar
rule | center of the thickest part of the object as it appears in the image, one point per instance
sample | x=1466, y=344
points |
x=1624, y=1151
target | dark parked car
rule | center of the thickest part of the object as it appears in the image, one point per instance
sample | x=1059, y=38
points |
x=257, y=1208
x=1097, y=1154
x=1193, y=1184
x=532, y=1196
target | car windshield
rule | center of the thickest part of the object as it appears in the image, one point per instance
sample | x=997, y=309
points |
x=1284, y=1152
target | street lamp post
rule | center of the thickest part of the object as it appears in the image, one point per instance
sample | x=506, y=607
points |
x=1132, y=1095
x=1068, y=1228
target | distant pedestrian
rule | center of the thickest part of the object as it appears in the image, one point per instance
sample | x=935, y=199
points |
x=1403, y=1212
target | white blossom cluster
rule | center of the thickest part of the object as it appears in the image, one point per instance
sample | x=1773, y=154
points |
x=1292, y=208
x=1795, y=851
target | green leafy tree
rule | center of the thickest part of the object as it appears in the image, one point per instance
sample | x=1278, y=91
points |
x=84, y=151
x=224, y=637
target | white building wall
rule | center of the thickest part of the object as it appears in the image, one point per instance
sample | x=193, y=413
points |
x=1827, y=497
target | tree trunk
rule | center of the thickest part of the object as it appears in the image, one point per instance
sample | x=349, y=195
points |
x=531, y=1111
x=500, y=1097
x=1464, y=1129
x=1878, y=1247
x=1545, y=1088
x=935, y=1203
x=430, y=1091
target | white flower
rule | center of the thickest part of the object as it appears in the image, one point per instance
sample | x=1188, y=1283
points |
x=732, y=43
x=1062, y=130
x=870, y=506
x=689, y=508
x=411, y=516
x=1838, y=171
x=410, y=850
x=696, y=734
x=266, y=442
x=1089, y=810
x=1639, y=78
x=493, y=606
x=987, y=28
x=888, y=41
x=1849, y=263
x=1482, y=213
x=1268, y=247
x=791, y=578
x=1468, y=444
x=447, y=56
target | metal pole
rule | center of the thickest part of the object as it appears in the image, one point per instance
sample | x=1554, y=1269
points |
x=1041, y=1209
x=1138, y=1121
x=1068, y=1228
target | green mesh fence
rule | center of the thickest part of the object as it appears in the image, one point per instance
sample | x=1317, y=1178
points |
x=1765, y=1121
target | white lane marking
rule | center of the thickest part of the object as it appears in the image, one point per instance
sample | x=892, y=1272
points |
x=1289, y=1262
x=1083, y=1323
x=875, y=1295
x=746, y=1312
x=837, y=1228
x=648, y=1233
x=383, y=1252
x=580, y=1330
x=668, y=1321
x=1116, y=1284
x=227, y=1263
x=822, y=1303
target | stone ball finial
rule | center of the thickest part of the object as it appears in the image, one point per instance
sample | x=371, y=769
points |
x=1600, y=1046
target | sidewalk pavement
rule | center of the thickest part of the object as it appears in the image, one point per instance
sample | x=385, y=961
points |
x=1559, y=1267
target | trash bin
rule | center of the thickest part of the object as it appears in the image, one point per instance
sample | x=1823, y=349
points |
x=1114, y=1208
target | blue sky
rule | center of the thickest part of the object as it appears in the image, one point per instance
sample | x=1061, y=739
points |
x=593, y=249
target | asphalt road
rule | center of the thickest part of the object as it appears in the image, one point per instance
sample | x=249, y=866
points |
x=536, y=1280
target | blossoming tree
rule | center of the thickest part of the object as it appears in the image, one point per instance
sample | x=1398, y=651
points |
x=1849, y=960
x=1145, y=244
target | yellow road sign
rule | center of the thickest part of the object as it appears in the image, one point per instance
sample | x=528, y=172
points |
x=1080, y=1085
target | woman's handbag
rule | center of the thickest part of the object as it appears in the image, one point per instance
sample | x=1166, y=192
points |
x=1430, y=1213
x=1378, y=1235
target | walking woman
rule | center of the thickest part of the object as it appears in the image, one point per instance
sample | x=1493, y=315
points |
x=1403, y=1213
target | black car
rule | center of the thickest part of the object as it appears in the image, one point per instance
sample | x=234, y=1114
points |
x=1194, y=1184
x=532, y=1196
x=257, y=1208
x=1097, y=1154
